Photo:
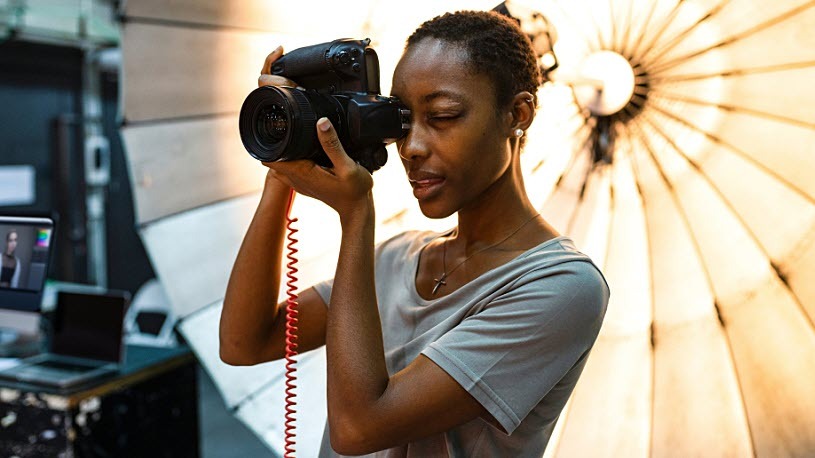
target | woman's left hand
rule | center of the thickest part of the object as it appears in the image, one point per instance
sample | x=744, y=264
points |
x=344, y=187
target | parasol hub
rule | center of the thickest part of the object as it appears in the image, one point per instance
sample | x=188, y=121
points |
x=616, y=83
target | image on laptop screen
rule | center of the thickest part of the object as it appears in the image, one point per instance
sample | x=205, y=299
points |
x=25, y=249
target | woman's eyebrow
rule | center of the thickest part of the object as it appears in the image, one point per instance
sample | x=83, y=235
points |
x=443, y=93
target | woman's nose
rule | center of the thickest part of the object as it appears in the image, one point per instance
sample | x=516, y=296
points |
x=413, y=146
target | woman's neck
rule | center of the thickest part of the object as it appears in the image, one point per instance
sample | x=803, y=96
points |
x=500, y=209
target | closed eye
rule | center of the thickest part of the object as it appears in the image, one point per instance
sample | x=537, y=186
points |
x=444, y=117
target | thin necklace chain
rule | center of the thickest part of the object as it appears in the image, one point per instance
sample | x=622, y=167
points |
x=441, y=280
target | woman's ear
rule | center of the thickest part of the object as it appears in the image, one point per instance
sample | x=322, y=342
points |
x=523, y=111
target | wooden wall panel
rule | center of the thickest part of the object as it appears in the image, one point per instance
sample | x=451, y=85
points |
x=193, y=252
x=263, y=413
x=236, y=383
x=181, y=165
x=268, y=15
x=172, y=72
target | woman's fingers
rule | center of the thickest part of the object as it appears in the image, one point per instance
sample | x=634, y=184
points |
x=270, y=59
x=304, y=176
x=266, y=78
x=332, y=146
x=274, y=80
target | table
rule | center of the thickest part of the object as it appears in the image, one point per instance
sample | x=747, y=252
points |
x=148, y=409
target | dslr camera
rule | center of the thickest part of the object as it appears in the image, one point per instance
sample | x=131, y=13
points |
x=340, y=81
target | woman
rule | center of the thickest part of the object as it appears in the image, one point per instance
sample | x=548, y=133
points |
x=463, y=343
x=10, y=270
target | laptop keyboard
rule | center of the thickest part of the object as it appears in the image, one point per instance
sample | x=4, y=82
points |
x=55, y=370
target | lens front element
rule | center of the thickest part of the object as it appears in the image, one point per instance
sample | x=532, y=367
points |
x=272, y=124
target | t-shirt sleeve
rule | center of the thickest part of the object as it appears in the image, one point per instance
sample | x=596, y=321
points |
x=323, y=289
x=511, y=353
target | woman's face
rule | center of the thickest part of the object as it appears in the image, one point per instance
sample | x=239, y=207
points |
x=11, y=243
x=458, y=143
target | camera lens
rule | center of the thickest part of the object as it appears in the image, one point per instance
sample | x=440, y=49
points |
x=272, y=124
x=278, y=124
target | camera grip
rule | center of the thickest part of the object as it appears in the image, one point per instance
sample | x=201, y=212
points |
x=309, y=60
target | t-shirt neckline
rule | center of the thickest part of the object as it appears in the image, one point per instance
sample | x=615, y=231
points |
x=411, y=279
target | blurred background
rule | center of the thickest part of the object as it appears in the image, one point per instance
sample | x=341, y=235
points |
x=675, y=143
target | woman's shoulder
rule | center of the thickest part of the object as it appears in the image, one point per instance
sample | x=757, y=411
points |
x=560, y=258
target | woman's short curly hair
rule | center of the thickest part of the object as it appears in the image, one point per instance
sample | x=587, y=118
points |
x=496, y=47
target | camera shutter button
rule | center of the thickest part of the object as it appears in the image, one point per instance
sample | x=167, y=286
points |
x=344, y=57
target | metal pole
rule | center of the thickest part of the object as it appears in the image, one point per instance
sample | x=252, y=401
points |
x=97, y=157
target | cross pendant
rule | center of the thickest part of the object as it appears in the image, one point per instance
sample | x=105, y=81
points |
x=439, y=283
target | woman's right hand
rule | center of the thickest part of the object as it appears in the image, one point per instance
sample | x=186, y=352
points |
x=266, y=78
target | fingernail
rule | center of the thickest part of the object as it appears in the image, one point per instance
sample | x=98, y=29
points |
x=323, y=124
x=278, y=48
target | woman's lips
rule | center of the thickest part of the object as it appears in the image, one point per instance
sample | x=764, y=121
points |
x=426, y=188
x=425, y=183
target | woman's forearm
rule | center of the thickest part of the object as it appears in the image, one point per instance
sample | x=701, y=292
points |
x=250, y=304
x=357, y=374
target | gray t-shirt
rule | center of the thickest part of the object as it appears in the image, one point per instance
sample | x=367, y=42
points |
x=516, y=338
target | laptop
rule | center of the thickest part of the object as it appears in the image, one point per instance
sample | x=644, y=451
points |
x=86, y=343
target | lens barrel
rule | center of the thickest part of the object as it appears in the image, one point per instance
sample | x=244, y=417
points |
x=278, y=123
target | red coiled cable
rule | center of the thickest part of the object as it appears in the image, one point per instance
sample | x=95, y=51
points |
x=291, y=329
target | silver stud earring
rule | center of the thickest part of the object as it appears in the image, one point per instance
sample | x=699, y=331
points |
x=519, y=133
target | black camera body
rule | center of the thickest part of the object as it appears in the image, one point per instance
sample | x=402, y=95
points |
x=340, y=81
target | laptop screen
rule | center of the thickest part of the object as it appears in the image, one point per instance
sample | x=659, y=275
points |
x=89, y=325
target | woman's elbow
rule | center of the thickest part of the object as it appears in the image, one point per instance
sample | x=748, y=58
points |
x=350, y=438
x=233, y=358
x=234, y=355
